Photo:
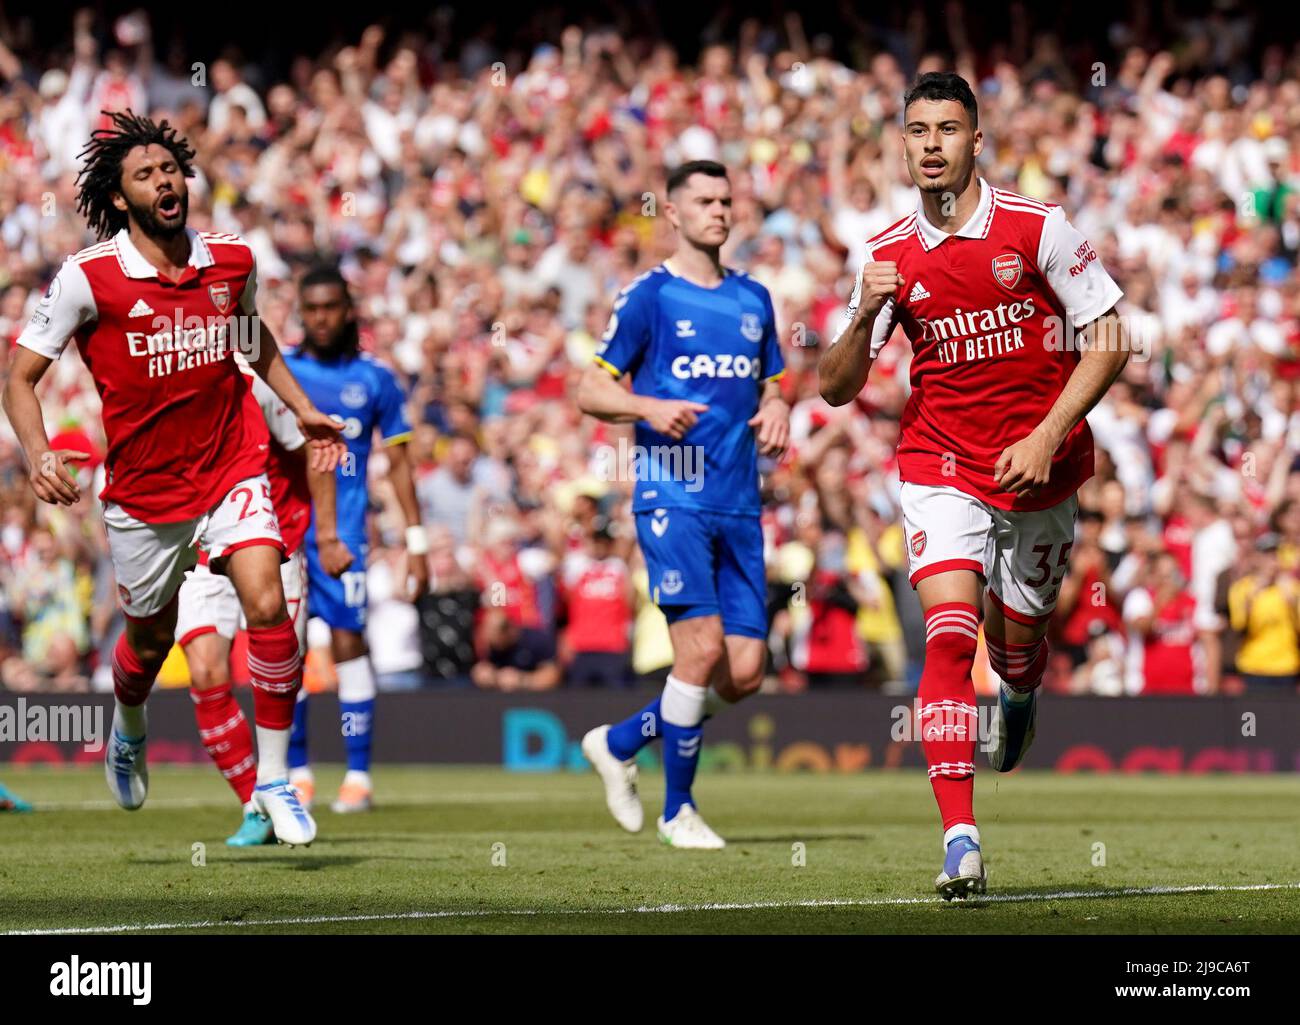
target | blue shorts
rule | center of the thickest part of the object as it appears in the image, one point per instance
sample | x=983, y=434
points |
x=340, y=601
x=706, y=564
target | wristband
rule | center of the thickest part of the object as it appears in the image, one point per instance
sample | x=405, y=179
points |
x=417, y=541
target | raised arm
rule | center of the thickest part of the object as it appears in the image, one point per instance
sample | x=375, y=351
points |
x=844, y=367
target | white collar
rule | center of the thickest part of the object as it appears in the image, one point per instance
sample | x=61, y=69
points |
x=134, y=265
x=976, y=227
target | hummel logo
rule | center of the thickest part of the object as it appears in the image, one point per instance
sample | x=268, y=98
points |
x=918, y=293
x=684, y=329
x=140, y=309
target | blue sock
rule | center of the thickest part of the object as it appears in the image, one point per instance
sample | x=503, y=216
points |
x=631, y=735
x=681, y=756
x=298, y=736
x=357, y=718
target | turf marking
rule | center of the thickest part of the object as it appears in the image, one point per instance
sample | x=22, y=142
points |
x=411, y=916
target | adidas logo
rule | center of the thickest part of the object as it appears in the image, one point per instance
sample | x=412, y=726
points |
x=918, y=293
x=140, y=309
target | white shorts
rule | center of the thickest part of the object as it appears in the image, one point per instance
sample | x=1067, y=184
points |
x=150, y=559
x=209, y=604
x=1024, y=556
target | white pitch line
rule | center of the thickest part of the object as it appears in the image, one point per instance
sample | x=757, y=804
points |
x=411, y=916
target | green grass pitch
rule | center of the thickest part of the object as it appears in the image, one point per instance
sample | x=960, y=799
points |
x=471, y=850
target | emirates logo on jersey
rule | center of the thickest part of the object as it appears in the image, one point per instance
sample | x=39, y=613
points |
x=220, y=295
x=1007, y=269
x=918, y=543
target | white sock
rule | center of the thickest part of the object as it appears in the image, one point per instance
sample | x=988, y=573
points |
x=961, y=829
x=300, y=775
x=358, y=777
x=1015, y=697
x=248, y=806
x=356, y=679
x=272, y=755
x=130, y=720
x=682, y=703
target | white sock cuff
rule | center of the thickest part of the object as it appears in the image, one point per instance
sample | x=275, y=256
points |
x=961, y=829
x=682, y=703
x=356, y=679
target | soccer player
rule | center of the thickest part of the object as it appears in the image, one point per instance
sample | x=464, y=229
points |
x=699, y=341
x=209, y=612
x=158, y=311
x=364, y=396
x=991, y=288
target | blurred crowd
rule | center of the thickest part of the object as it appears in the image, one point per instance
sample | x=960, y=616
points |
x=487, y=210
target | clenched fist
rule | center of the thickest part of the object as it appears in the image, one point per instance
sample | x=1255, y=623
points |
x=880, y=279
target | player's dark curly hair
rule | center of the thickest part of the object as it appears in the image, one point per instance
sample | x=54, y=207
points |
x=102, y=174
x=944, y=85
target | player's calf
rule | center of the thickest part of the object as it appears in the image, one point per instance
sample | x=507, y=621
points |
x=948, y=717
x=137, y=657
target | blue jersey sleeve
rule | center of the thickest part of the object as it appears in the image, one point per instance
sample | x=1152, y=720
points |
x=773, y=361
x=390, y=410
x=626, y=339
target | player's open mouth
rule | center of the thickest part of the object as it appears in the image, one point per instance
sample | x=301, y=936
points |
x=933, y=168
x=169, y=205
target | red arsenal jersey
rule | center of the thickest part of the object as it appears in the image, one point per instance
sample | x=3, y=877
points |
x=179, y=428
x=990, y=311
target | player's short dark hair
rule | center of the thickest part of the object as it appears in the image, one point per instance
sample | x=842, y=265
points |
x=101, y=176
x=323, y=274
x=678, y=176
x=944, y=85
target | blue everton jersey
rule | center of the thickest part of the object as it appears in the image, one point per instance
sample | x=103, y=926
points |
x=364, y=396
x=716, y=346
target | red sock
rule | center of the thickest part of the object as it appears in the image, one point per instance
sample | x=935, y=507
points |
x=948, y=718
x=275, y=669
x=227, y=738
x=131, y=681
x=1021, y=666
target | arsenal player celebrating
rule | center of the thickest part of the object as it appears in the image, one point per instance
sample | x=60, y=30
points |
x=154, y=308
x=993, y=289
x=209, y=614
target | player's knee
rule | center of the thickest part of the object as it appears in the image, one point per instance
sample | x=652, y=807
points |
x=265, y=609
x=699, y=654
x=208, y=675
x=747, y=672
x=150, y=647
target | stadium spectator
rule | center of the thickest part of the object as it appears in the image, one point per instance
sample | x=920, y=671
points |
x=599, y=598
x=1264, y=605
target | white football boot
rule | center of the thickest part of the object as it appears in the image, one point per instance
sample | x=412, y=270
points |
x=278, y=801
x=689, y=832
x=126, y=769
x=1012, y=731
x=619, y=777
